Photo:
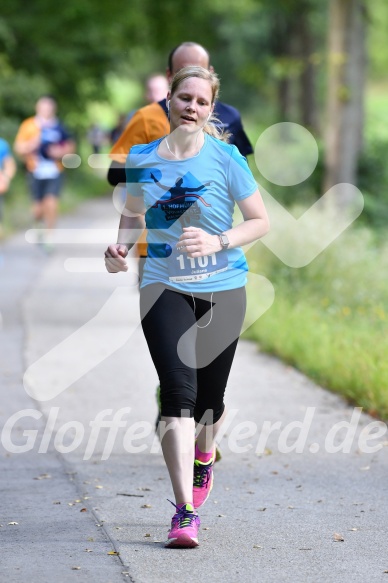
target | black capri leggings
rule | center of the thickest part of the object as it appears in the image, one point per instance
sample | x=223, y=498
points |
x=192, y=339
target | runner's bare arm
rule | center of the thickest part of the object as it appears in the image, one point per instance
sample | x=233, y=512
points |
x=132, y=224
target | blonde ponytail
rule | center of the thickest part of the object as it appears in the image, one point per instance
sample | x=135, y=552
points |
x=213, y=127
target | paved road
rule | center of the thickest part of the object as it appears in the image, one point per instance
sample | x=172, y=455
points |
x=81, y=491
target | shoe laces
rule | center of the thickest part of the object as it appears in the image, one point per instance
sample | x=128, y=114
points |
x=202, y=473
x=183, y=516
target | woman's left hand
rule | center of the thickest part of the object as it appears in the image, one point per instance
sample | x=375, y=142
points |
x=197, y=243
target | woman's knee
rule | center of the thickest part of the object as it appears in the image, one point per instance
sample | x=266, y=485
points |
x=178, y=392
x=208, y=416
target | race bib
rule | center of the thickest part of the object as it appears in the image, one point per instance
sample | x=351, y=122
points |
x=184, y=269
x=46, y=169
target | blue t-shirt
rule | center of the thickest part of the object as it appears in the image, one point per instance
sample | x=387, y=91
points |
x=4, y=152
x=201, y=192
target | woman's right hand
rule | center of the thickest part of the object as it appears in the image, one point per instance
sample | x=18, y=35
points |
x=115, y=258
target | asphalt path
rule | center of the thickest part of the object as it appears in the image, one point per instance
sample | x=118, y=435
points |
x=300, y=494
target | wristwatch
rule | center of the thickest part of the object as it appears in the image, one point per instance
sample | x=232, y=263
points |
x=223, y=240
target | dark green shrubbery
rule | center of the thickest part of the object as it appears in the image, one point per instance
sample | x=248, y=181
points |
x=373, y=183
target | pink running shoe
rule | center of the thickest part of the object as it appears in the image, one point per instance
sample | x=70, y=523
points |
x=203, y=481
x=184, y=528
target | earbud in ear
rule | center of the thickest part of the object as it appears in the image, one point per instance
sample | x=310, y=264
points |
x=168, y=104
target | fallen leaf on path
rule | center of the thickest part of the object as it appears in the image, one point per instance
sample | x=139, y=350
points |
x=83, y=510
x=112, y=553
x=12, y=523
x=43, y=477
x=76, y=568
x=338, y=537
x=147, y=535
x=88, y=551
x=146, y=506
x=266, y=451
x=257, y=547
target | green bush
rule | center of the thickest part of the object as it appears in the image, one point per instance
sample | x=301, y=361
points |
x=329, y=318
x=373, y=183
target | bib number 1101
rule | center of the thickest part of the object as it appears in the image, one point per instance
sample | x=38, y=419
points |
x=202, y=261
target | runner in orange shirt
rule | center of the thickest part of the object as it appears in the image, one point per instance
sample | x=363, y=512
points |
x=41, y=142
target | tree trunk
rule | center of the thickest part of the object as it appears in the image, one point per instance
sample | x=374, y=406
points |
x=283, y=37
x=307, y=81
x=345, y=100
x=284, y=99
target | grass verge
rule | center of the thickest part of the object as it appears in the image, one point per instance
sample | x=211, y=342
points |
x=329, y=319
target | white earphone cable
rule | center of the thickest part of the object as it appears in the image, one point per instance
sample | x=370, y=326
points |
x=211, y=310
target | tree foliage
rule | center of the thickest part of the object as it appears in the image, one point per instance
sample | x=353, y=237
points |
x=270, y=54
x=68, y=49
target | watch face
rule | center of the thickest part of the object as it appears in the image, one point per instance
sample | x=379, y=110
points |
x=224, y=240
